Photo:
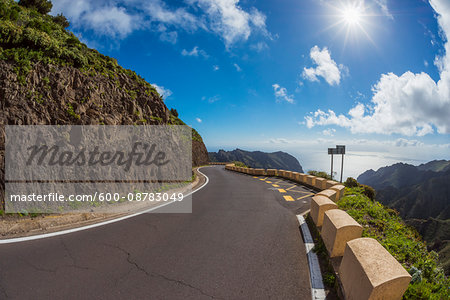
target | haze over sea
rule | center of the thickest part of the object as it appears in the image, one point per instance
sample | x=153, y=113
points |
x=314, y=155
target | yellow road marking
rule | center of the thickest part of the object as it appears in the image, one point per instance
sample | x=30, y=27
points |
x=291, y=187
x=305, y=196
x=269, y=181
x=281, y=190
x=255, y=177
x=288, y=198
x=262, y=179
x=275, y=185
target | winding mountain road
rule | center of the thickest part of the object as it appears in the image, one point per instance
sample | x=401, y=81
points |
x=242, y=241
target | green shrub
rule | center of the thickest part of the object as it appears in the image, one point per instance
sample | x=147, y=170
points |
x=42, y=6
x=61, y=20
x=351, y=182
x=174, y=112
x=240, y=164
x=368, y=191
x=320, y=174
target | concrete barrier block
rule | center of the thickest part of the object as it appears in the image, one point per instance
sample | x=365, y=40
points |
x=288, y=174
x=339, y=191
x=319, y=205
x=295, y=176
x=302, y=177
x=368, y=271
x=320, y=183
x=338, y=228
x=310, y=180
x=328, y=193
x=271, y=172
x=280, y=173
x=330, y=183
x=259, y=172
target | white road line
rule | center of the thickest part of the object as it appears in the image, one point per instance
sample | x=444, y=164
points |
x=46, y=235
x=317, y=288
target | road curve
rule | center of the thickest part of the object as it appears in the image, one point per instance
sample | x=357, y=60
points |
x=240, y=242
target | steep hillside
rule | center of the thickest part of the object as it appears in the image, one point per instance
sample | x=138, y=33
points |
x=257, y=159
x=47, y=76
x=422, y=197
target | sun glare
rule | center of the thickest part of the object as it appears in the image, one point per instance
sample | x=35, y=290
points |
x=353, y=20
x=351, y=15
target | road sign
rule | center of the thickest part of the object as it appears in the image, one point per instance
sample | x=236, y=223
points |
x=340, y=149
x=333, y=151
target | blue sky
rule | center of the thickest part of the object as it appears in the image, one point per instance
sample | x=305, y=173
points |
x=296, y=76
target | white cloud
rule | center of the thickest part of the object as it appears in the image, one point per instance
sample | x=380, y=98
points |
x=230, y=21
x=384, y=8
x=167, y=36
x=407, y=143
x=106, y=19
x=409, y=104
x=216, y=68
x=329, y=132
x=326, y=67
x=198, y=120
x=237, y=67
x=279, y=141
x=282, y=94
x=162, y=91
x=214, y=99
x=158, y=11
x=195, y=52
x=259, y=47
x=118, y=19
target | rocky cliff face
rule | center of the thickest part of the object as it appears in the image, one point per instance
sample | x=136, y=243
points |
x=65, y=95
x=62, y=95
x=49, y=77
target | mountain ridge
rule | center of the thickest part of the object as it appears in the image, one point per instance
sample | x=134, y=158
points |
x=421, y=194
x=258, y=159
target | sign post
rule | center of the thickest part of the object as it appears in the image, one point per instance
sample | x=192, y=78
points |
x=332, y=151
x=341, y=150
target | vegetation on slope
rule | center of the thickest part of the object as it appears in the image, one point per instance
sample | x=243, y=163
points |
x=402, y=241
x=421, y=195
x=29, y=35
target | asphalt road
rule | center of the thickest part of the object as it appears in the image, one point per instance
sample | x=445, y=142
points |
x=241, y=241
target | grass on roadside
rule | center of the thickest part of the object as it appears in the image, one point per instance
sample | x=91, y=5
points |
x=402, y=241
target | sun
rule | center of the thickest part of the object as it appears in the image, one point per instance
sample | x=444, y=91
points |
x=352, y=15
x=352, y=20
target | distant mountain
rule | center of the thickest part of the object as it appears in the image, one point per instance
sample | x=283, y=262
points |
x=435, y=166
x=421, y=194
x=257, y=159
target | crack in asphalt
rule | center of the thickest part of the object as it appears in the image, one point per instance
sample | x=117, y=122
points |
x=74, y=264
x=153, y=274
